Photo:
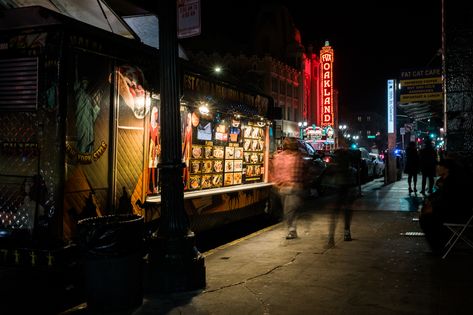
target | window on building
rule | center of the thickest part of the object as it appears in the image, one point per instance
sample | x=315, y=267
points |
x=282, y=88
x=359, y=118
x=368, y=132
x=274, y=85
x=289, y=89
x=368, y=118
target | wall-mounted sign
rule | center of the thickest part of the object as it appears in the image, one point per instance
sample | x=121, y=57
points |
x=326, y=87
x=421, y=85
x=188, y=18
x=391, y=103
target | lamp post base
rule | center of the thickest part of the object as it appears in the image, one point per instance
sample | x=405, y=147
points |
x=175, y=265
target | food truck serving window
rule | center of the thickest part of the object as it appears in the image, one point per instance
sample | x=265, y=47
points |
x=221, y=149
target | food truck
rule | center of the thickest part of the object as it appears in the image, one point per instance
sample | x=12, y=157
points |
x=80, y=117
x=225, y=136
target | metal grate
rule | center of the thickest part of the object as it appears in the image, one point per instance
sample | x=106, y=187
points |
x=19, y=84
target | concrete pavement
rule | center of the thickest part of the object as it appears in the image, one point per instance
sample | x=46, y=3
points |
x=382, y=271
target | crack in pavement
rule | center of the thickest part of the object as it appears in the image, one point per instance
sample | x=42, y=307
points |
x=254, y=277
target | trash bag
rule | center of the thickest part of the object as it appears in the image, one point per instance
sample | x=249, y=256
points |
x=112, y=235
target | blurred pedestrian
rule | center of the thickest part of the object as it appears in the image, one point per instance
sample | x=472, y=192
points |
x=288, y=174
x=341, y=177
x=412, y=166
x=428, y=162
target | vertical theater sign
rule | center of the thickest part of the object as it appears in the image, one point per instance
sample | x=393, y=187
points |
x=326, y=116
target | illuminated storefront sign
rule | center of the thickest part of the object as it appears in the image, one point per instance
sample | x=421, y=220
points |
x=421, y=85
x=390, y=97
x=326, y=87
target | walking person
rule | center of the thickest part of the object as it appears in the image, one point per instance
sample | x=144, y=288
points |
x=428, y=163
x=288, y=173
x=412, y=166
x=342, y=177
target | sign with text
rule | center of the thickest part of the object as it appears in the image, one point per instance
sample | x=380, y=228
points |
x=326, y=87
x=421, y=85
x=188, y=18
x=391, y=105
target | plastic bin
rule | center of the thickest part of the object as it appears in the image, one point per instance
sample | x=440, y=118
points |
x=112, y=247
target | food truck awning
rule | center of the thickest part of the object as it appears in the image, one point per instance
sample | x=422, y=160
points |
x=93, y=12
x=133, y=22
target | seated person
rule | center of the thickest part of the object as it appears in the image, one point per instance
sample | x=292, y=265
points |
x=449, y=203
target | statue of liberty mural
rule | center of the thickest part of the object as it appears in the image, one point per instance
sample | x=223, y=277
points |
x=87, y=112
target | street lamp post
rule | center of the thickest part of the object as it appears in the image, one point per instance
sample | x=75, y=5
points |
x=176, y=265
x=302, y=125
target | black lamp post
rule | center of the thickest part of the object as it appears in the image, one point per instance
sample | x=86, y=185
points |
x=176, y=264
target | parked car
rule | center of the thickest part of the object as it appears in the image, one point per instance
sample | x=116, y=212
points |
x=379, y=165
x=366, y=165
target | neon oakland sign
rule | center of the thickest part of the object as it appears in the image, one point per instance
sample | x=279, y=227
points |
x=326, y=86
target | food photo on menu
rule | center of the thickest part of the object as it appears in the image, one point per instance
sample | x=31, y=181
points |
x=246, y=144
x=218, y=166
x=229, y=152
x=206, y=181
x=238, y=153
x=218, y=152
x=254, y=145
x=250, y=170
x=237, y=178
x=255, y=132
x=207, y=167
x=194, y=182
x=228, y=179
x=237, y=165
x=195, y=167
x=217, y=180
x=247, y=132
x=229, y=166
x=246, y=157
x=196, y=151
x=208, y=152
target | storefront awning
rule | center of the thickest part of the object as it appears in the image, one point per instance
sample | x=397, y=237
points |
x=421, y=111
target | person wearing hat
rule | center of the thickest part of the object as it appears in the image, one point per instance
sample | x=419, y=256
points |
x=288, y=174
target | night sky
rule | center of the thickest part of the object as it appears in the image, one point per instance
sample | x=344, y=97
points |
x=373, y=40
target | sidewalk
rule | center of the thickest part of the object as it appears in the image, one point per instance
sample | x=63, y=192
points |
x=380, y=272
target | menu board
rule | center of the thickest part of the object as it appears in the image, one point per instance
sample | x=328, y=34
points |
x=253, y=153
x=206, y=166
x=223, y=152
x=233, y=165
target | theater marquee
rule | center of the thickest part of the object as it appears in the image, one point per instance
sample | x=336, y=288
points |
x=326, y=87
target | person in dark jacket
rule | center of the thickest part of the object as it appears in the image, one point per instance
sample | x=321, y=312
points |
x=342, y=177
x=428, y=162
x=450, y=202
x=412, y=165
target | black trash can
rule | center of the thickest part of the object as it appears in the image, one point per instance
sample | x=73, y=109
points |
x=113, y=263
